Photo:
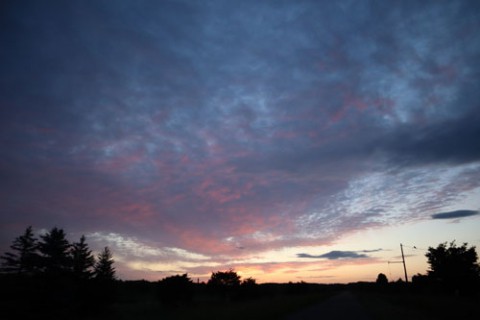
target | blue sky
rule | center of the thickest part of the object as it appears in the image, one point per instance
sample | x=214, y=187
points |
x=194, y=135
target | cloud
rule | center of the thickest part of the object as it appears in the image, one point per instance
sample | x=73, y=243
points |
x=447, y=141
x=133, y=248
x=174, y=126
x=336, y=254
x=372, y=250
x=454, y=214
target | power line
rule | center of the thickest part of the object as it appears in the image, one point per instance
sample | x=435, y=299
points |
x=389, y=269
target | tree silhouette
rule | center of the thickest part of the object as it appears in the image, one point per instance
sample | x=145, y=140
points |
x=55, y=250
x=104, y=270
x=62, y=285
x=382, y=279
x=227, y=279
x=225, y=283
x=24, y=260
x=82, y=260
x=176, y=289
x=454, y=267
x=104, y=279
x=249, y=282
x=248, y=288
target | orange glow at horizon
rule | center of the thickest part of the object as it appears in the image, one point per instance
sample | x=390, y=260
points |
x=283, y=265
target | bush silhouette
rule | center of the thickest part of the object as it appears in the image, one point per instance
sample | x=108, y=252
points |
x=249, y=289
x=382, y=280
x=176, y=290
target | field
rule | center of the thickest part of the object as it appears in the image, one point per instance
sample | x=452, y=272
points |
x=413, y=306
x=145, y=301
x=274, y=307
x=268, y=301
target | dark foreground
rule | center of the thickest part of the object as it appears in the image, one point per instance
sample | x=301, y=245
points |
x=142, y=300
x=344, y=305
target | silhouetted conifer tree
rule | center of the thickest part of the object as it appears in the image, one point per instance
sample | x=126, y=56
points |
x=104, y=276
x=82, y=260
x=104, y=270
x=25, y=259
x=55, y=250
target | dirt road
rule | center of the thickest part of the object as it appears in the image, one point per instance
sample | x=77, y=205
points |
x=339, y=307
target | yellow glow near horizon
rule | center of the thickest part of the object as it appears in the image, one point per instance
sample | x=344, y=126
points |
x=283, y=265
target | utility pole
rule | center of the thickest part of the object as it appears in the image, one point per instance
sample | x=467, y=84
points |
x=404, y=266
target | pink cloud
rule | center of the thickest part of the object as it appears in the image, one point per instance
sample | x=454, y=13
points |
x=196, y=241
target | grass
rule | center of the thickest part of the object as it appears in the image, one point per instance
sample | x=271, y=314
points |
x=274, y=307
x=409, y=306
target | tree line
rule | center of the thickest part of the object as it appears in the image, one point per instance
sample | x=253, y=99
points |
x=50, y=276
x=227, y=285
x=54, y=256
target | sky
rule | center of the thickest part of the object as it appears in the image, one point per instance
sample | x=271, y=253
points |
x=288, y=140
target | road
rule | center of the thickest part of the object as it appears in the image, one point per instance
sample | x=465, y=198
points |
x=342, y=306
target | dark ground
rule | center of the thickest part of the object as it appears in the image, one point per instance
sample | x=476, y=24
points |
x=344, y=305
x=144, y=300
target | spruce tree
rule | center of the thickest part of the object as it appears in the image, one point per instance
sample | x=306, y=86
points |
x=55, y=250
x=24, y=260
x=82, y=260
x=104, y=270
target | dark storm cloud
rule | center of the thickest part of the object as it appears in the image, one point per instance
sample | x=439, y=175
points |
x=454, y=214
x=334, y=255
x=449, y=141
